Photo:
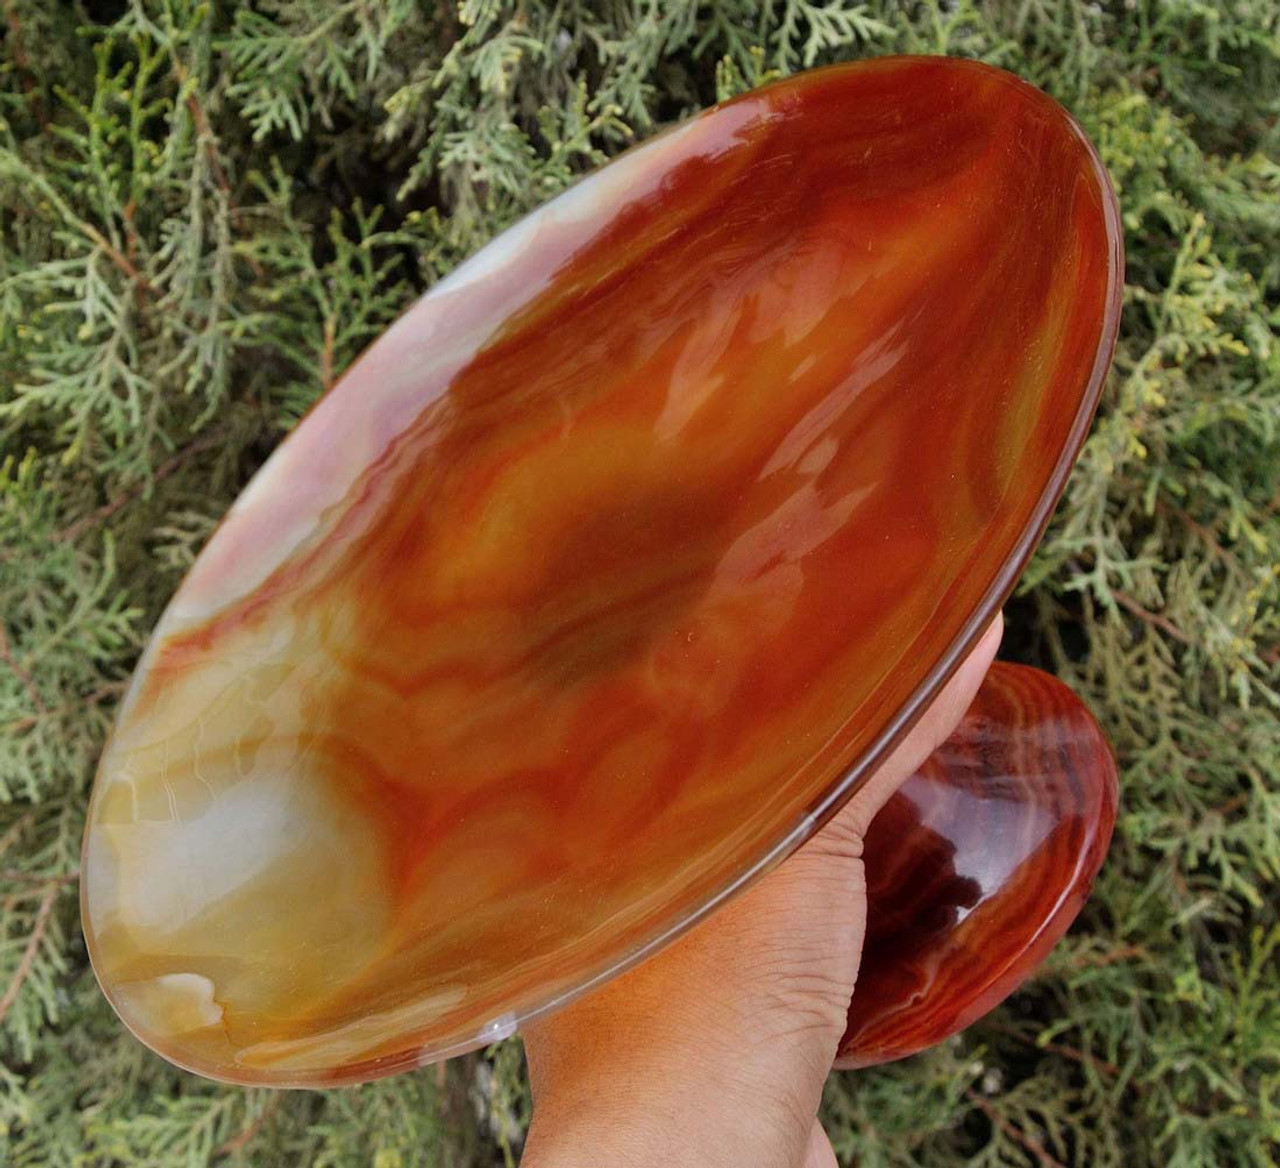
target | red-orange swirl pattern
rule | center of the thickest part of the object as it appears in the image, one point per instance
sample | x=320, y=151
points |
x=604, y=575
x=979, y=864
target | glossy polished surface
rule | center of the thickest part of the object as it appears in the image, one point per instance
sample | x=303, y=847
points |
x=605, y=575
x=979, y=864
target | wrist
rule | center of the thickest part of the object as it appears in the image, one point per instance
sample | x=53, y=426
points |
x=646, y=1125
x=634, y=1084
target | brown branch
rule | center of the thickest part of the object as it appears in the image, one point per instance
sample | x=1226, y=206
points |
x=1233, y=804
x=19, y=55
x=1152, y=618
x=125, y=497
x=36, y=885
x=19, y=874
x=209, y=140
x=233, y=1145
x=28, y=682
x=1205, y=535
x=204, y=133
x=1068, y=1052
x=210, y=143
x=1124, y=953
x=1128, y=602
x=28, y=958
x=131, y=232
x=449, y=30
x=326, y=354
x=1019, y=1137
x=117, y=257
x=22, y=725
x=16, y=829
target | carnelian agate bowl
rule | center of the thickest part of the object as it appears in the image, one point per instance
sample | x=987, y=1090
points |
x=609, y=573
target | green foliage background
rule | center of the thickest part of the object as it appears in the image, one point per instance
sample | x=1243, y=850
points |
x=207, y=209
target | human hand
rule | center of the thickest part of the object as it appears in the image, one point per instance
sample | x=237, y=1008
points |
x=714, y=1051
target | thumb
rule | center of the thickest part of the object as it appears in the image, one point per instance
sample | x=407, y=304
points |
x=850, y=824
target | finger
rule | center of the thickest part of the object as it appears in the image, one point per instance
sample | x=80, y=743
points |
x=933, y=728
x=819, y=1153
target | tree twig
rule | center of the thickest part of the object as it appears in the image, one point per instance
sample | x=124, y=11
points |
x=238, y=1141
x=163, y=471
x=1019, y=1137
x=16, y=829
x=1231, y=805
x=209, y=140
x=1152, y=618
x=326, y=354
x=22, y=725
x=1067, y=1052
x=19, y=55
x=1124, y=953
x=28, y=959
x=28, y=682
x=19, y=874
x=1205, y=534
x=204, y=132
x=117, y=257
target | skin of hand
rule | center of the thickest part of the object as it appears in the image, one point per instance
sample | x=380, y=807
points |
x=714, y=1051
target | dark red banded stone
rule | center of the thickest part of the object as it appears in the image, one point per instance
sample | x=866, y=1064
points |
x=979, y=864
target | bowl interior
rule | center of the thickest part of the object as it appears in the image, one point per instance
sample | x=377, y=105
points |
x=605, y=575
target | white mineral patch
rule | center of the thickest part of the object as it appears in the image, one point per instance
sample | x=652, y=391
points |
x=174, y=1003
